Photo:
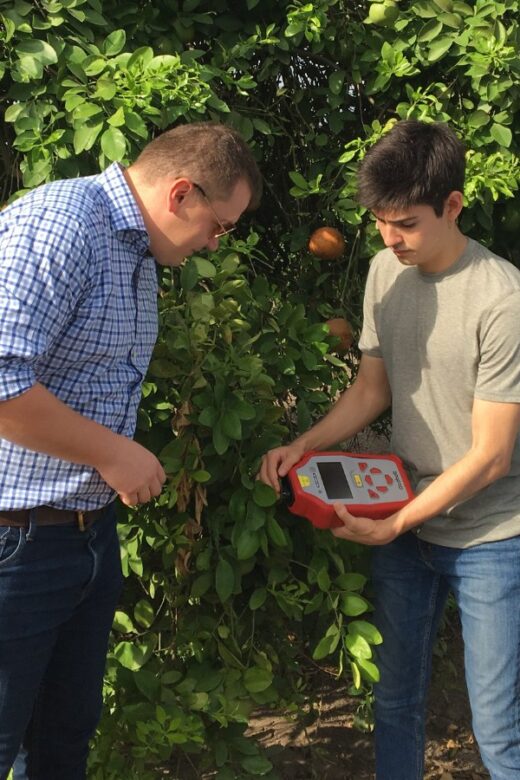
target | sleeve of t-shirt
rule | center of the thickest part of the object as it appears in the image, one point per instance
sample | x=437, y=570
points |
x=369, y=340
x=498, y=376
x=41, y=268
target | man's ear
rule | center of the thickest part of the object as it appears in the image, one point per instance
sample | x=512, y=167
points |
x=177, y=191
x=453, y=205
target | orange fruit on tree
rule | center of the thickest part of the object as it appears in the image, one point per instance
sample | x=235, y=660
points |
x=327, y=243
x=343, y=330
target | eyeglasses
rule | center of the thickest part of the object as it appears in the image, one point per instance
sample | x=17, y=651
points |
x=223, y=230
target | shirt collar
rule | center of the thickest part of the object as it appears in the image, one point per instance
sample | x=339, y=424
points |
x=125, y=214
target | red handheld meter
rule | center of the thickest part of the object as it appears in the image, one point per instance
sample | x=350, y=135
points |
x=373, y=486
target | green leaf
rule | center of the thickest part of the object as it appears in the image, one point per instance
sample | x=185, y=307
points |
x=430, y=31
x=135, y=124
x=205, y=269
x=93, y=66
x=163, y=368
x=220, y=440
x=85, y=137
x=201, y=306
x=264, y=495
x=336, y=81
x=368, y=670
x=38, y=50
x=257, y=679
x=114, y=42
x=439, y=47
x=208, y=416
x=358, y=646
x=276, y=532
x=113, y=144
x=323, y=580
x=218, y=104
x=353, y=605
x=30, y=68
x=294, y=28
x=247, y=544
x=262, y=126
x=132, y=655
x=356, y=675
x=202, y=584
x=140, y=58
x=366, y=630
x=189, y=275
x=298, y=179
x=257, y=765
x=144, y=613
x=200, y=476
x=478, y=118
x=13, y=112
x=258, y=598
x=501, y=134
x=117, y=119
x=123, y=623
x=350, y=581
x=231, y=425
x=224, y=580
x=326, y=645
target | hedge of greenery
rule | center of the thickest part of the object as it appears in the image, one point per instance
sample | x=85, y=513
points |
x=229, y=599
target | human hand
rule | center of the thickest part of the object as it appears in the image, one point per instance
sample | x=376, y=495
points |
x=365, y=530
x=277, y=462
x=132, y=471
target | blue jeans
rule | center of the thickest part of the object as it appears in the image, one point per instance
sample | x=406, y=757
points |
x=412, y=580
x=59, y=588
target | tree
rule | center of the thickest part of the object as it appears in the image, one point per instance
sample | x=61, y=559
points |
x=227, y=595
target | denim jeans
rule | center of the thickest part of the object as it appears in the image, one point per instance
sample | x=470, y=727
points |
x=412, y=579
x=58, y=592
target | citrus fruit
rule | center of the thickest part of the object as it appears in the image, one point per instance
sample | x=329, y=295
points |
x=342, y=329
x=327, y=243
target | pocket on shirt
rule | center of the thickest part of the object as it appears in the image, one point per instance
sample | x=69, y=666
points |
x=12, y=543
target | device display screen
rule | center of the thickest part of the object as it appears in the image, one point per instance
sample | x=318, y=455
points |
x=334, y=480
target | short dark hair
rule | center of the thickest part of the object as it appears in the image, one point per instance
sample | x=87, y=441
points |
x=415, y=163
x=213, y=155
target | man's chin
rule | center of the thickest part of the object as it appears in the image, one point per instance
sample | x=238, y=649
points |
x=172, y=260
x=406, y=257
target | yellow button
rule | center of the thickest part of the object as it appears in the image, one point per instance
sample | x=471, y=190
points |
x=358, y=480
x=305, y=481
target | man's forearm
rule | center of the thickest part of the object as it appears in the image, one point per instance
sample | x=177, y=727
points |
x=356, y=408
x=39, y=421
x=475, y=471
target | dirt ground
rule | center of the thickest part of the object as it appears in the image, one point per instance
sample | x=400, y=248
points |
x=329, y=747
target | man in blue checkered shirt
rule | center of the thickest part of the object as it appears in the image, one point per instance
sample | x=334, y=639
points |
x=78, y=321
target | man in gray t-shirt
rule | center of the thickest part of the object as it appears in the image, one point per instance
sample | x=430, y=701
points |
x=441, y=347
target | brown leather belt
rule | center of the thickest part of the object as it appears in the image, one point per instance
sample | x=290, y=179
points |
x=48, y=515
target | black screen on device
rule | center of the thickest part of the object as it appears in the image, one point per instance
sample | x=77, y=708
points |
x=334, y=480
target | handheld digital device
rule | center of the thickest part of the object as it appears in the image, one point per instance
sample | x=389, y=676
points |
x=373, y=486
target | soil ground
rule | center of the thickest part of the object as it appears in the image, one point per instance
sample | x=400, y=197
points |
x=329, y=747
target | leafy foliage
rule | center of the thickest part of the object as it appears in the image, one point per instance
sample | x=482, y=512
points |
x=228, y=596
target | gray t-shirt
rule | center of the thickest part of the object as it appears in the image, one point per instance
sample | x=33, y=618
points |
x=447, y=339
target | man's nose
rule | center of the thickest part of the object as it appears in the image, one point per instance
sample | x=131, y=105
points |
x=391, y=235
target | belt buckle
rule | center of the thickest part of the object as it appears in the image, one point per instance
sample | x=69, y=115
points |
x=81, y=520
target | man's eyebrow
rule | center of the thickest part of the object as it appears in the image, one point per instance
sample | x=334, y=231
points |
x=395, y=221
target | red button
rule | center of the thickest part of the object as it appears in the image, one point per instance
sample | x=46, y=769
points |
x=373, y=494
x=362, y=466
x=389, y=479
x=369, y=480
x=383, y=489
x=376, y=471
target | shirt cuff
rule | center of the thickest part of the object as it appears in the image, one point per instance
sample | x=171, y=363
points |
x=15, y=381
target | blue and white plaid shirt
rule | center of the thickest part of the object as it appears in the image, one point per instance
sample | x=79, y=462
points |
x=78, y=313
